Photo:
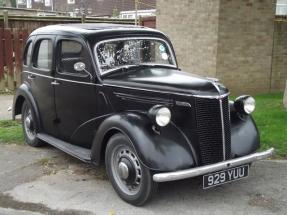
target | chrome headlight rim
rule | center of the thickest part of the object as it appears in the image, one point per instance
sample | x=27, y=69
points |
x=249, y=105
x=245, y=104
x=161, y=115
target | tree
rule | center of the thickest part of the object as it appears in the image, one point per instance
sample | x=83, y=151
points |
x=8, y=3
x=115, y=12
x=13, y=3
x=285, y=96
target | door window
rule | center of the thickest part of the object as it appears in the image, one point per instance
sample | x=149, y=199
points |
x=27, y=54
x=72, y=52
x=43, y=59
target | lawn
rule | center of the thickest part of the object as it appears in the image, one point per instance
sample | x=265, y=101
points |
x=11, y=132
x=271, y=119
x=270, y=116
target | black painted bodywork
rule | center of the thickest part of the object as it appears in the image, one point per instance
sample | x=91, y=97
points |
x=87, y=112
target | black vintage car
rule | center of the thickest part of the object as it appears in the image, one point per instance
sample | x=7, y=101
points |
x=114, y=94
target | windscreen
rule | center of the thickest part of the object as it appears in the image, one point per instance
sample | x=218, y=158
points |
x=113, y=54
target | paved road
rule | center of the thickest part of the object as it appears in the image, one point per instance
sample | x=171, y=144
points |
x=5, y=102
x=46, y=181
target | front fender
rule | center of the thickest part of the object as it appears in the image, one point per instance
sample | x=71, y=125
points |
x=168, y=150
x=244, y=136
x=22, y=94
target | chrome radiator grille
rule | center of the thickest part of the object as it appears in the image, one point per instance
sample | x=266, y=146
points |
x=213, y=129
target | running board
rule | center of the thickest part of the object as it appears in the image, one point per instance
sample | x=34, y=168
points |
x=76, y=151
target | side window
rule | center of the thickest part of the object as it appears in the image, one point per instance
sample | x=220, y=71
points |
x=27, y=54
x=72, y=52
x=43, y=57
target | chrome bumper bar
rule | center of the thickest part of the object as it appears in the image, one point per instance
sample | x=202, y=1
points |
x=189, y=173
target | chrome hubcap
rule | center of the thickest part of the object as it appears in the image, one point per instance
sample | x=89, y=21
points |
x=28, y=122
x=126, y=170
x=29, y=125
x=123, y=170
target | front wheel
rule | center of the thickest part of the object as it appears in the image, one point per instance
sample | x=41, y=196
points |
x=131, y=180
x=30, y=126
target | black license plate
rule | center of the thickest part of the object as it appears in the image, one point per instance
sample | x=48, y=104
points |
x=225, y=176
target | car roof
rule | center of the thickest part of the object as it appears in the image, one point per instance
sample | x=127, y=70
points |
x=90, y=28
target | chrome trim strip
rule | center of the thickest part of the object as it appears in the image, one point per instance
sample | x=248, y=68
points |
x=168, y=92
x=222, y=130
x=183, y=104
x=60, y=79
x=216, y=86
x=197, y=171
x=134, y=88
x=212, y=97
x=131, y=38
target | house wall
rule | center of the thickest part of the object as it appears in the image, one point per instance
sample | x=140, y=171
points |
x=193, y=28
x=279, y=60
x=245, y=44
x=228, y=39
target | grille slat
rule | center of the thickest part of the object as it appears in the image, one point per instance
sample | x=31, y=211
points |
x=209, y=129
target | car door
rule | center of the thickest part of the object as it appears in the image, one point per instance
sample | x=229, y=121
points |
x=40, y=77
x=75, y=92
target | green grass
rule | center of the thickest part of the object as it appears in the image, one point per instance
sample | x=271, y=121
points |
x=11, y=132
x=271, y=119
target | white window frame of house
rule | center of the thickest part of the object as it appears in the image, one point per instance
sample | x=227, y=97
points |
x=281, y=7
x=21, y=2
x=71, y=1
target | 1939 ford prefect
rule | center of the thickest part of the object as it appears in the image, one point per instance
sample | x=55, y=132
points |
x=114, y=94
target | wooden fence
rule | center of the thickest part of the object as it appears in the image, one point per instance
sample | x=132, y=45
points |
x=148, y=21
x=12, y=42
x=14, y=31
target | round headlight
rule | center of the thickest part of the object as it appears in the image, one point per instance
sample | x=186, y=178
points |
x=163, y=116
x=249, y=105
x=244, y=104
x=160, y=115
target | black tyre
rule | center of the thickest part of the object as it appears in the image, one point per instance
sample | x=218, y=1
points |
x=131, y=180
x=29, y=126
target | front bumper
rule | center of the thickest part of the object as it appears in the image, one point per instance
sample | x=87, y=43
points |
x=189, y=173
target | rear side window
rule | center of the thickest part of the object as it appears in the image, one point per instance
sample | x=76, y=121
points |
x=43, y=57
x=27, y=54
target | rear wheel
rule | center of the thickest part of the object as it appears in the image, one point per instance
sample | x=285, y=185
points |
x=29, y=126
x=131, y=180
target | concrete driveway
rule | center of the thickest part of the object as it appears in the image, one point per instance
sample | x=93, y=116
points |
x=46, y=181
x=6, y=101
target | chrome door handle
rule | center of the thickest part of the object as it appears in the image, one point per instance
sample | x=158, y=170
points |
x=55, y=83
x=31, y=77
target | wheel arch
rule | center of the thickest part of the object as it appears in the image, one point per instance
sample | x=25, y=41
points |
x=23, y=94
x=157, y=152
x=18, y=105
x=105, y=141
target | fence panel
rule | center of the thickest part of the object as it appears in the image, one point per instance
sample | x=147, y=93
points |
x=12, y=41
x=9, y=58
x=2, y=81
x=148, y=21
x=17, y=56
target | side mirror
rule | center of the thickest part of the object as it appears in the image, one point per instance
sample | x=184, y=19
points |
x=81, y=67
